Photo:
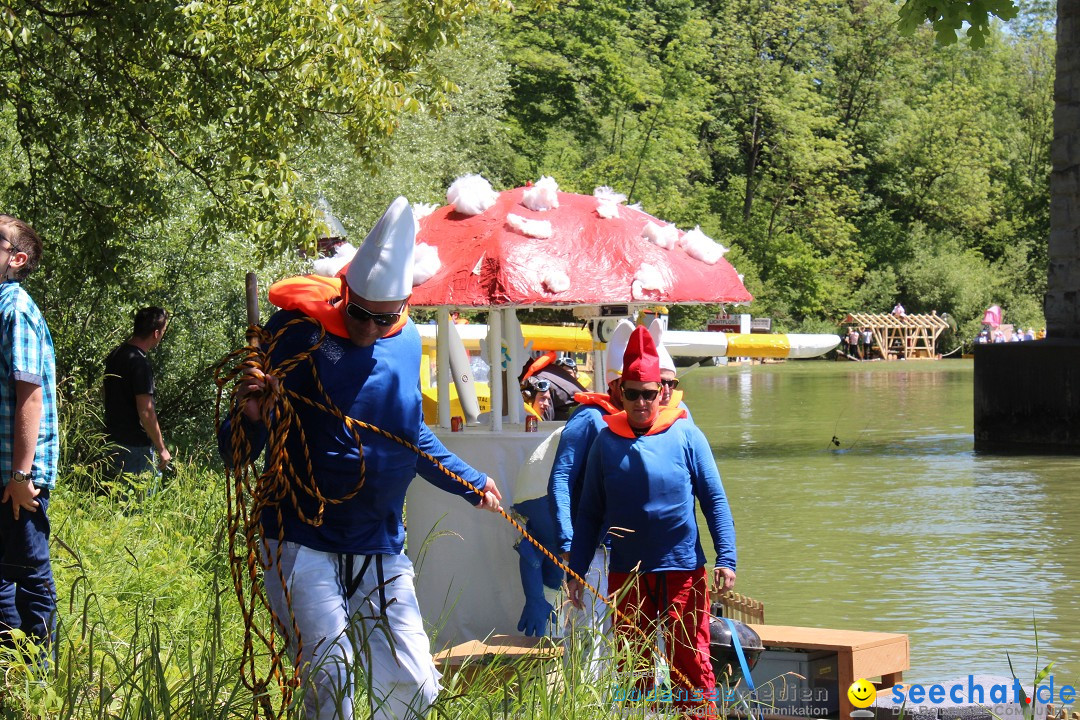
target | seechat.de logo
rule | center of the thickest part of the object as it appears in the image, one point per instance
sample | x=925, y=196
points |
x=861, y=693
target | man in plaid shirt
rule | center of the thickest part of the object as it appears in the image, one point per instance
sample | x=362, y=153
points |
x=29, y=443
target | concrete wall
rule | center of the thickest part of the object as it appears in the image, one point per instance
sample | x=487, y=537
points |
x=1027, y=396
x=1062, y=301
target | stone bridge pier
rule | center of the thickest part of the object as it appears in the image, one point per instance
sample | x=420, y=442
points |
x=1027, y=395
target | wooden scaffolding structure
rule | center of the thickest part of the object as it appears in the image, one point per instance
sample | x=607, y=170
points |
x=908, y=336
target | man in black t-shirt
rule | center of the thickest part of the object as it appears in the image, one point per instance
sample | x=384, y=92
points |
x=131, y=420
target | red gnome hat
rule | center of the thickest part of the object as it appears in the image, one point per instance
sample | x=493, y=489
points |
x=640, y=361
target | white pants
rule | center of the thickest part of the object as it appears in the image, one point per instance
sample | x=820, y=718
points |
x=377, y=626
x=586, y=629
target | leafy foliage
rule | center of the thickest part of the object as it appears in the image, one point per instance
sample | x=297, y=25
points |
x=164, y=150
x=948, y=16
x=123, y=111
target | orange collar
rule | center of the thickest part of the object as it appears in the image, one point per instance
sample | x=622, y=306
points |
x=664, y=419
x=319, y=297
x=600, y=400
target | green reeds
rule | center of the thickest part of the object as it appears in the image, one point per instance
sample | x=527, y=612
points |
x=144, y=627
x=1026, y=703
x=148, y=626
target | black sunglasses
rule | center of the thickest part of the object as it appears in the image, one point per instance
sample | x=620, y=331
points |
x=670, y=383
x=634, y=395
x=362, y=314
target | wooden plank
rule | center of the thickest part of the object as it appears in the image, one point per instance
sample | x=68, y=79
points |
x=824, y=638
x=882, y=660
x=501, y=662
x=845, y=674
x=504, y=648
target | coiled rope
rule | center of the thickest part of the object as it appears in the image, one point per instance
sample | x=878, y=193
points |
x=249, y=492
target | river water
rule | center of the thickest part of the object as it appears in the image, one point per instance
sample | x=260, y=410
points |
x=901, y=526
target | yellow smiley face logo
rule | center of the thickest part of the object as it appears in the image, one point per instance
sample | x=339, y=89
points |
x=862, y=693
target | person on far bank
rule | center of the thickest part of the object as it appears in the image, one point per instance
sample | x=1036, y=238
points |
x=29, y=444
x=131, y=420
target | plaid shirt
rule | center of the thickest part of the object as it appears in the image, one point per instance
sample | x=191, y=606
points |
x=26, y=354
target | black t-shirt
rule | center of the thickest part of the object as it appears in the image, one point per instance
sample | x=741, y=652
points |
x=127, y=374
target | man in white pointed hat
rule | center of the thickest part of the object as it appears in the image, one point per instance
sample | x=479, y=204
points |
x=564, y=488
x=350, y=586
x=669, y=392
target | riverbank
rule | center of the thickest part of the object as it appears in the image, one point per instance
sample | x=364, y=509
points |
x=900, y=527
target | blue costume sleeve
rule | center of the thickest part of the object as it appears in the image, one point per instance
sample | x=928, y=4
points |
x=566, y=472
x=589, y=520
x=684, y=406
x=540, y=524
x=256, y=435
x=710, y=493
x=538, y=612
x=535, y=568
x=431, y=445
x=284, y=349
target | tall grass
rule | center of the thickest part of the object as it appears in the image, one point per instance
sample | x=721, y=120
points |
x=145, y=624
x=148, y=626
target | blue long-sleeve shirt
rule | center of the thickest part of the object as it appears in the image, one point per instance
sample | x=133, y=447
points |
x=564, y=484
x=379, y=385
x=645, y=488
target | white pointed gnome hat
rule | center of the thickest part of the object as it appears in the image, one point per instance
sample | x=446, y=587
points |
x=334, y=228
x=616, y=347
x=656, y=329
x=382, y=269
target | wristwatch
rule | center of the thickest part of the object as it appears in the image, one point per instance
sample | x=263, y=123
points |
x=20, y=477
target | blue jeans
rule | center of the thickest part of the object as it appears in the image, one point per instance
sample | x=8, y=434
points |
x=134, y=459
x=138, y=460
x=27, y=592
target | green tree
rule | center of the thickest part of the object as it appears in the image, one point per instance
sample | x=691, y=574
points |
x=1063, y=320
x=606, y=95
x=429, y=150
x=783, y=190
x=955, y=142
x=113, y=102
x=162, y=150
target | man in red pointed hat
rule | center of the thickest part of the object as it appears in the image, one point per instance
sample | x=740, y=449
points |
x=645, y=470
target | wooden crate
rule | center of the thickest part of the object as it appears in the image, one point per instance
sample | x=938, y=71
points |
x=859, y=654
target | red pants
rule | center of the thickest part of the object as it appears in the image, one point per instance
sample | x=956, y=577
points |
x=679, y=601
